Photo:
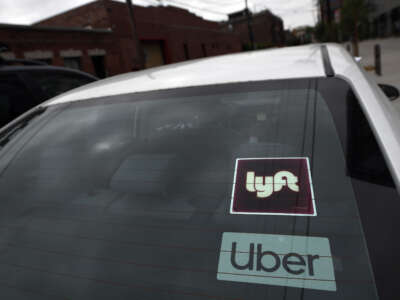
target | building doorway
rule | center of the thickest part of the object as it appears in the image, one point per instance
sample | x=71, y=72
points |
x=99, y=65
x=72, y=62
x=154, y=53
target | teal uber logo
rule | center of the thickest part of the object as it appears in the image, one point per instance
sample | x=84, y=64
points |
x=281, y=260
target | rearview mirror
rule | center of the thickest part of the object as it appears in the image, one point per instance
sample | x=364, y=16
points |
x=390, y=91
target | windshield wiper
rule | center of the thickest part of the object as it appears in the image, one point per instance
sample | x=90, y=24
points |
x=10, y=132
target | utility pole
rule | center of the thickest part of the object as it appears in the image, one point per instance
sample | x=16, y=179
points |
x=140, y=62
x=251, y=36
x=329, y=11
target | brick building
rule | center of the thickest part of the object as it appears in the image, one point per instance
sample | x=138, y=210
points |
x=72, y=47
x=267, y=28
x=97, y=38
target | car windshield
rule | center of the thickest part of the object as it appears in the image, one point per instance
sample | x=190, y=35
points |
x=165, y=195
x=10, y=132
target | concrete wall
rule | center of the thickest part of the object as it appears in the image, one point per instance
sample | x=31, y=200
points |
x=384, y=19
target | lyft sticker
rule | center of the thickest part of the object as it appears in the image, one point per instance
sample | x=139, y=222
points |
x=281, y=260
x=273, y=186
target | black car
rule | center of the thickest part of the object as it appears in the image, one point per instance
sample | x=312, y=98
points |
x=25, y=84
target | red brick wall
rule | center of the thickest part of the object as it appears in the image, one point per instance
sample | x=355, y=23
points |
x=175, y=27
x=93, y=14
x=28, y=39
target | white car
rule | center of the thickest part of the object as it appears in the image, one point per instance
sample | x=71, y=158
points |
x=262, y=175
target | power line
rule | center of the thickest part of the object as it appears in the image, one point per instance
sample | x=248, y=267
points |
x=200, y=10
x=251, y=35
x=211, y=2
x=194, y=7
x=186, y=5
x=140, y=63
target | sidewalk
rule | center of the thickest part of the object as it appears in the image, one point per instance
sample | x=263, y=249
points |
x=390, y=53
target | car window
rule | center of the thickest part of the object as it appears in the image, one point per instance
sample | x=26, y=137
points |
x=55, y=83
x=15, y=99
x=133, y=197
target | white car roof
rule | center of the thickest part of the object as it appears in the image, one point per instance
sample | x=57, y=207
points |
x=279, y=63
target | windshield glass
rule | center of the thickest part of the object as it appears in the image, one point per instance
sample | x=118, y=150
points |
x=8, y=133
x=151, y=196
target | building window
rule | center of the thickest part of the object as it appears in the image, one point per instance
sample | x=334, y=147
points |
x=186, y=51
x=7, y=55
x=72, y=62
x=395, y=20
x=40, y=55
x=47, y=61
x=204, y=50
x=215, y=45
x=383, y=25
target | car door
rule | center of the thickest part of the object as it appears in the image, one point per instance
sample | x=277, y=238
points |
x=53, y=82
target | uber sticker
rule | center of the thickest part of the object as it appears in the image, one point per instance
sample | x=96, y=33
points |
x=280, y=260
x=273, y=186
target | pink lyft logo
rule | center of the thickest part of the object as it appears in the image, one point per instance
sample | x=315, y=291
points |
x=265, y=186
x=273, y=186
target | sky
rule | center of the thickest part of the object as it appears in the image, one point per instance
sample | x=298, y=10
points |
x=293, y=12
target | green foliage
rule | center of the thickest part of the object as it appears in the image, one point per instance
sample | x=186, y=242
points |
x=354, y=20
x=309, y=30
x=291, y=40
x=354, y=16
x=326, y=32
